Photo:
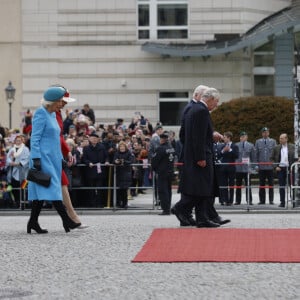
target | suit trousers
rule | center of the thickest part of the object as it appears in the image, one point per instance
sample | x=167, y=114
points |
x=263, y=175
x=282, y=180
x=164, y=188
x=239, y=179
x=226, y=180
x=187, y=202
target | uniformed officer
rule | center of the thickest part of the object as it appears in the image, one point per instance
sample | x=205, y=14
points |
x=243, y=171
x=163, y=164
x=263, y=150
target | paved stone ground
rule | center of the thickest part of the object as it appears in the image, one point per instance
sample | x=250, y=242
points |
x=95, y=263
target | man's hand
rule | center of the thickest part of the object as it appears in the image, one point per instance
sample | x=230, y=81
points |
x=218, y=135
x=201, y=163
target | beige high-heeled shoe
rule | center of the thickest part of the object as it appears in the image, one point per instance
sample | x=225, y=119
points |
x=68, y=204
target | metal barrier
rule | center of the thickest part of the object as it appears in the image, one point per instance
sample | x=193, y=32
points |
x=292, y=190
x=295, y=187
x=111, y=187
x=254, y=170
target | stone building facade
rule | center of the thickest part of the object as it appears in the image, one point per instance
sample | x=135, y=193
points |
x=95, y=49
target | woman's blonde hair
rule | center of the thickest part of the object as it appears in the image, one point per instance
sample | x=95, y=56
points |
x=70, y=142
x=46, y=103
x=122, y=143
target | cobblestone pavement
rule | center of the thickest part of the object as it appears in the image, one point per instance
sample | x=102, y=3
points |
x=95, y=263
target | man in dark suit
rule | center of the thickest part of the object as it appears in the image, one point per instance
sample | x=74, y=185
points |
x=198, y=92
x=197, y=180
x=284, y=156
x=196, y=99
x=229, y=153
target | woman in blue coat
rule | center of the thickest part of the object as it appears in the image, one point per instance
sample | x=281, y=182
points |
x=45, y=155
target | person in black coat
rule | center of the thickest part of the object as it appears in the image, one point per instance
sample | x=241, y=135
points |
x=217, y=146
x=93, y=156
x=228, y=153
x=163, y=165
x=123, y=159
x=197, y=184
x=198, y=92
x=88, y=112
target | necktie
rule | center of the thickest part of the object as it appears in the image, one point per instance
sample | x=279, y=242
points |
x=243, y=144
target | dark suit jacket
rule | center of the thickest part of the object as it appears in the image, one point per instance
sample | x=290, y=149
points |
x=97, y=154
x=230, y=156
x=182, y=121
x=276, y=153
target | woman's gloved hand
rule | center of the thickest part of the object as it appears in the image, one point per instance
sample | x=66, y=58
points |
x=37, y=164
x=64, y=164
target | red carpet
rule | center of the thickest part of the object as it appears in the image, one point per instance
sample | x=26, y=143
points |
x=221, y=245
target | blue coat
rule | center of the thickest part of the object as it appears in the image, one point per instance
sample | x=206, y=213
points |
x=45, y=144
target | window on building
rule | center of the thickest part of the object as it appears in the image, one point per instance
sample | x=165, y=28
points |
x=226, y=37
x=264, y=60
x=171, y=105
x=264, y=55
x=144, y=21
x=264, y=70
x=264, y=85
x=162, y=19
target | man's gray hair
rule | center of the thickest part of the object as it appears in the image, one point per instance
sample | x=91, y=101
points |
x=200, y=89
x=210, y=92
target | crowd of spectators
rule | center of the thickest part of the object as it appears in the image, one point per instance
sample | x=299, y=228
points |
x=96, y=149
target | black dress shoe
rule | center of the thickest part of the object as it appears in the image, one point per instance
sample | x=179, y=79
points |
x=261, y=203
x=220, y=220
x=164, y=213
x=272, y=203
x=281, y=205
x=192, y=221
x=237, y=203
x=185, y=224
x=184, y=221
x=208, y=224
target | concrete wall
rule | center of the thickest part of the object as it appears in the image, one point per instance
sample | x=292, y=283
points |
x=91, y=47
x=11, y=60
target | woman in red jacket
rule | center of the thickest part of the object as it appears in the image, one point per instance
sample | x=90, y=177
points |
x=67, y=154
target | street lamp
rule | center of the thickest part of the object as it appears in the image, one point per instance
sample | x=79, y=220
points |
x=10, y=98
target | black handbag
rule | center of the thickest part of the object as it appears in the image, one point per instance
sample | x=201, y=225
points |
x=39, y=177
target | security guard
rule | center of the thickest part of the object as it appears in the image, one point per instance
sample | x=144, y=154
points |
x=163, y=164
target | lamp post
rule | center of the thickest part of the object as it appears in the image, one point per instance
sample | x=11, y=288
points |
x=10, y=98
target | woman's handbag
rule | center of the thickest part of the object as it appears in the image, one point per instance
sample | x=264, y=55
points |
x=39, y=177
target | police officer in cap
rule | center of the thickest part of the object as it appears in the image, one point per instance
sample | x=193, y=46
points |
x=163, y=164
